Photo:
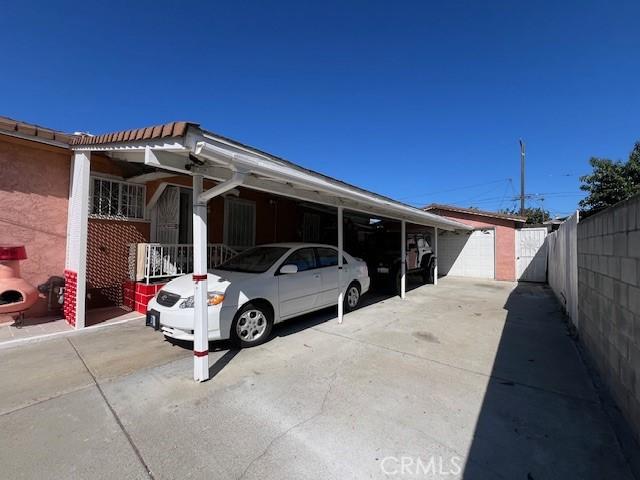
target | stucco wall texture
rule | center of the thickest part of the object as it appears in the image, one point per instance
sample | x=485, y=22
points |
x=34, y=194
x=505, y=240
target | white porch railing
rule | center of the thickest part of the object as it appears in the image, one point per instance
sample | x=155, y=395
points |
x=149, y=261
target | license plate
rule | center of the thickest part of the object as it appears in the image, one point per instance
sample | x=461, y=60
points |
x=383, y=270
x=153, y=319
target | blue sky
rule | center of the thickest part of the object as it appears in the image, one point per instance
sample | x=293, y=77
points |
x=422, y=101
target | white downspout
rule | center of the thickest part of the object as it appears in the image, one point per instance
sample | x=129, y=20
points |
x=200, y=284
x=340, y=249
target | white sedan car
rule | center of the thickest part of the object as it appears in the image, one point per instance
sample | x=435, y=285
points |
x=260, y=287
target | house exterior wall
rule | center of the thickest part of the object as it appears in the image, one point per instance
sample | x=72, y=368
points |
x=505, y=239
x=108, y=258
x=277, y=220
x=276, y=217
x=108, y=246
x=34, y=197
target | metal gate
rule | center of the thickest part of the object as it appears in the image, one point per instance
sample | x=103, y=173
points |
x=531, y=254
x=168, y=216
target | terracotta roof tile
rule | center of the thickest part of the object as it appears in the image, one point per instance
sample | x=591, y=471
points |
x=137, y=134
x=167, y=130
x=46, y=133
x=26, y=129
x=30, y=130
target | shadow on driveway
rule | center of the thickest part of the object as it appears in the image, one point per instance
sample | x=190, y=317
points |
x=540, y=409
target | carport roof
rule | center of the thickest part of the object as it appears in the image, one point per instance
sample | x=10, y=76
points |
x=186, y=148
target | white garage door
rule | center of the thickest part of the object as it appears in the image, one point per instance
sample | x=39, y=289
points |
x=467, y=255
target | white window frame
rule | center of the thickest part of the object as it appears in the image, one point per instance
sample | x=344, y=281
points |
x=228, y=201
x=142, y=206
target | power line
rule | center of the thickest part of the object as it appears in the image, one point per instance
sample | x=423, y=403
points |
x=504, y=194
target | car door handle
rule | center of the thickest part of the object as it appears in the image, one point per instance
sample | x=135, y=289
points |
x=317, y=275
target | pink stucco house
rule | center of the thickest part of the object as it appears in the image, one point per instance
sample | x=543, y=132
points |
x=35, y=163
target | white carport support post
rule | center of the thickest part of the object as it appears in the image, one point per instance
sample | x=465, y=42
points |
x=403, y=258
x=340, y=248
x=201, y=321
x=200, y=290
x=77, y=233
x=435, y=255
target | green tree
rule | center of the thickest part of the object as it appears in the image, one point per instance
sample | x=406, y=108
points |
x=611, y=182
x=533, y=214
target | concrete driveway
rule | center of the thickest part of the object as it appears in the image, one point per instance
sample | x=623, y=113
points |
x=469, y=379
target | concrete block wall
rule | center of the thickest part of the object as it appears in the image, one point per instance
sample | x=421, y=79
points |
x=609, y=301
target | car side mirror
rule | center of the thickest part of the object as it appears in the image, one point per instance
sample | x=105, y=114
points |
x=288, y=269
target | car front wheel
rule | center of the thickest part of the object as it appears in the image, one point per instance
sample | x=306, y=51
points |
x=252, y=325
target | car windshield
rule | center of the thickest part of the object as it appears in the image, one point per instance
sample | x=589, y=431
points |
x=254, y=260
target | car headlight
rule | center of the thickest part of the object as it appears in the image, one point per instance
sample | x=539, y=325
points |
x=213, y=298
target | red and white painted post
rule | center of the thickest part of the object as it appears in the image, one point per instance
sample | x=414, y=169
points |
x=201, y=324
x=75, y=270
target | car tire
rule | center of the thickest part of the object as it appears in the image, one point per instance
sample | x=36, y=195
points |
x=397, y=278
x=425, y=275
x=427, y=272
x=352, y=297
x=252, y=325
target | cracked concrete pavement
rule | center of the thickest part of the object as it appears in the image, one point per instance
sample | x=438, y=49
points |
x=475, y=370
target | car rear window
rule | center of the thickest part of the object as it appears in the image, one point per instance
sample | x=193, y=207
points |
x=327, y=257
x=304, y=259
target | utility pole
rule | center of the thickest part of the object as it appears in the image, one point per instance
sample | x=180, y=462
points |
x=522, y=155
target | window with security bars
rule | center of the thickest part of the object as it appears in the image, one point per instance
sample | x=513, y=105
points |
x=311, y=227
x=115, y=199
x=239, y=223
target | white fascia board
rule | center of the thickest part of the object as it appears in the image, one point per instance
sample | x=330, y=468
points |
x=36, y=139
x=168, y=144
